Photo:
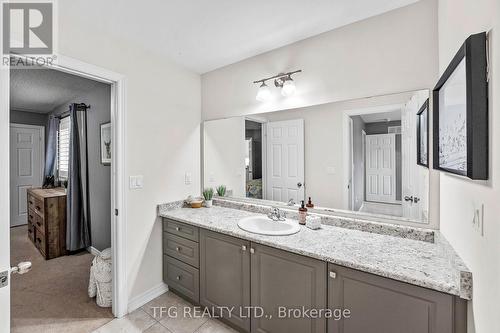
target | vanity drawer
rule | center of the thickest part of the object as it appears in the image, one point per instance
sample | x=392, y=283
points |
x=182, y=278
x=182, y=249
x=181, y=229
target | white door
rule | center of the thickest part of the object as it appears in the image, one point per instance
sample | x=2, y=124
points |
x=285, y=160
x=414, y=177
x=381, y=168
x=26, y=158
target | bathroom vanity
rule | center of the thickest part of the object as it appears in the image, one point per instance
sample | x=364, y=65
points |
x=389, y=284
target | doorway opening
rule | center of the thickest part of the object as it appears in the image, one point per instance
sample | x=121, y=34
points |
x=112, y=130
x=383, y=177
x=254, y=140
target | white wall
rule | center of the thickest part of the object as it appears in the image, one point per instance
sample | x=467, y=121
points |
x=392, y=52
x=163, y=132
x=224, y=154
x=457, y=20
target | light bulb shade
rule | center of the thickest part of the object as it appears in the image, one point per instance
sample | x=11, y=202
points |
x=264, y=93
x=288, y=88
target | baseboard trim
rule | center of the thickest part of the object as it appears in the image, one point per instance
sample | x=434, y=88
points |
x=147, y=296
x=93, y=251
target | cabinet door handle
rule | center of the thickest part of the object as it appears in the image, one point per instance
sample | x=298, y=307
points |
x=243, y=248
x=333, y=275
x=252, y=250
x=178, y=277
x=177, y=249
x=178, y=228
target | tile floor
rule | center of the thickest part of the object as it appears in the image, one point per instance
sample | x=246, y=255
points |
x=148, y=319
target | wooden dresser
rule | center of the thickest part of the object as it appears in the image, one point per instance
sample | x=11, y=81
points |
x=47, y=221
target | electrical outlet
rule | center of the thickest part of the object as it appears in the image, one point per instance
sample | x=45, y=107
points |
x=188, y=178
x=478, y=219
x=211, y=178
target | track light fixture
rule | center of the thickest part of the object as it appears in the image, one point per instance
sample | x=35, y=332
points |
x=282, y=80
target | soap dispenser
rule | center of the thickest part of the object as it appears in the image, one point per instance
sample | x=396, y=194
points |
x=309, y=203
x=302, y=213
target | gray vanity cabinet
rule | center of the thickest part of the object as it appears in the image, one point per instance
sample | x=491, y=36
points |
x=225, y=275
x=284, y=279
x=382, y=305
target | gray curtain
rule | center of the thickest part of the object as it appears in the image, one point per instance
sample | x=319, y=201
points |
x=51, y=149
x=78, y=217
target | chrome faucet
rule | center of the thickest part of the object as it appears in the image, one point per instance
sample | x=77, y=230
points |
x=291, y=202
x=276, y=214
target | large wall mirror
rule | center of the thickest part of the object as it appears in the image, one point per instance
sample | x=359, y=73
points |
x=352, y=157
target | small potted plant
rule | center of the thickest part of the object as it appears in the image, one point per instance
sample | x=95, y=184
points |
x=208, y=194
x=221, y=190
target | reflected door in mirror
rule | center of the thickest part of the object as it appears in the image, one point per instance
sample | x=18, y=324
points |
x=381, y=168
x=285, y=160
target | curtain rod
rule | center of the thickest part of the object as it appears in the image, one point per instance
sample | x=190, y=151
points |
x=79, y=107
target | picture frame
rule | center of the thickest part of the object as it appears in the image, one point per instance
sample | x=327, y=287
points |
x=106, y=143
x=423, y=135
x=460, y=113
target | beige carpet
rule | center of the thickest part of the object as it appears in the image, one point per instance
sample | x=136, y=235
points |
x=52, y=297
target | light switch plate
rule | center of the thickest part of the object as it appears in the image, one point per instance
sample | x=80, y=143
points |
x=136, y=182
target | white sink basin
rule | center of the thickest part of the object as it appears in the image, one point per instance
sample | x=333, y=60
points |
x=265, y=226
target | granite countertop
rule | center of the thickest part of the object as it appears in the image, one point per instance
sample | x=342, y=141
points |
x=431, y=265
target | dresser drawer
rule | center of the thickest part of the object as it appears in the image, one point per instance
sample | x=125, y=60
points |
x=31, y=231
x=31, y=216
x=182, y=278
x=182, y=249
x=40, y=242
x=31, y=202
x=38, y=221
x=181, y=229
x=37, y=206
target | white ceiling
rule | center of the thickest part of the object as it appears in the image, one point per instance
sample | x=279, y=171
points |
x=382, y=116
x=43, y=90
x=205, y=35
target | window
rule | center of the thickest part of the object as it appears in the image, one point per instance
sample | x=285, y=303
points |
x=63, y=148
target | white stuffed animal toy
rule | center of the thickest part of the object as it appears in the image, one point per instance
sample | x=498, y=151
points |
x=100, y=279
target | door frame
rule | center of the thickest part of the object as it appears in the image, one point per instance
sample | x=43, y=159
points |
x=42, y=148
x=118, y=169
x=347, y=165
x=263, y=149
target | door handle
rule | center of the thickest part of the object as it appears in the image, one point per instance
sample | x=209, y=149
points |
x=407, y=198
x=416, y=199
x=299, y=184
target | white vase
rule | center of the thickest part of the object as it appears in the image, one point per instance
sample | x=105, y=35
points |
x=208, y=203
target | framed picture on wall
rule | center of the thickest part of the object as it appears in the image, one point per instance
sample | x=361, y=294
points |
x=106, y=144
x=460, y=105
x=423, y=135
